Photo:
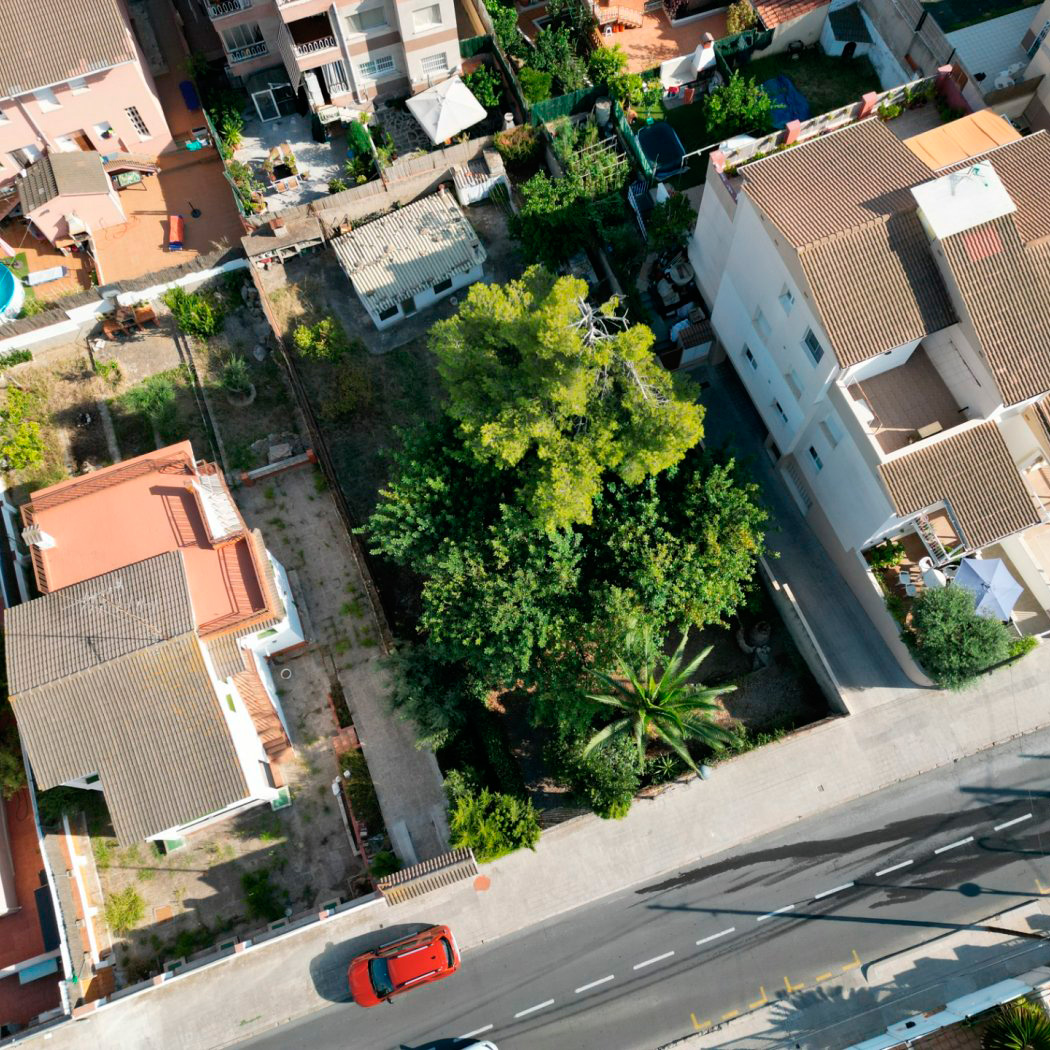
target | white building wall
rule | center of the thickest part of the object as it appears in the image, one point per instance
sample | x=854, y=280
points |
x=712, y=235
x=422, y=299
x=890, y=71
x=805, y=29
x=964, y=372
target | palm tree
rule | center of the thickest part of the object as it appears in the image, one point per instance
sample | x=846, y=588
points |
x=1018, y=1026
x=667, y=708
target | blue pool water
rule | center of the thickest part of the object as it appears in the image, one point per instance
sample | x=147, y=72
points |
x=11, y=294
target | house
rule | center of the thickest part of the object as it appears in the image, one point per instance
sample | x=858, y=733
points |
x=342, y=53
x=142, y=670
x=72, y=77
x=411, y=258
x=883, y=302
x=792, y=21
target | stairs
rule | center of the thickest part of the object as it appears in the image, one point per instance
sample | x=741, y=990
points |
x=931, y=539
x=625, y=12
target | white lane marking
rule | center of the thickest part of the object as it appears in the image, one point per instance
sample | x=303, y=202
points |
x=954, y=845
x=594, y=984
x=896, y=867
x=837, y=889
x=477, y=1031
x=1011, y=823
x=779, y=911
x=533, y=1009
x=654, y=959
x=715, y=936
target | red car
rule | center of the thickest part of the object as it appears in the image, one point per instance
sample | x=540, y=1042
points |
x=399, y=965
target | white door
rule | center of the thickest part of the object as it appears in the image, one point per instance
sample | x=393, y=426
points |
x=265, y=105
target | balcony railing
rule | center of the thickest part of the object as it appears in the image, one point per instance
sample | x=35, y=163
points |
x=243, y=54
x=311, y=47
x=222, y=8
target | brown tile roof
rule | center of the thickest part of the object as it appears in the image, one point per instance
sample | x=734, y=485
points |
x=50, y=41
x=107, y=677
x=774, y=12
x=974, y=473
x=260, y=707
x=56, y=174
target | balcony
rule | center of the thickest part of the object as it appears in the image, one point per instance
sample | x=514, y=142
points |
x=906, y=404
x=310, y=36
x=222, y=8
x=250, y=51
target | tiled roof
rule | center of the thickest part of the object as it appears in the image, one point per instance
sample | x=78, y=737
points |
x=87, y=624
x=56, y=174
x=409, y=250
x=263, y=714
x=50, y=41
x=774, y=12
x=974, y=473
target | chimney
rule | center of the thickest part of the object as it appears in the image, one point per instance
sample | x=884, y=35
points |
x=278, y=227
x=34, y=536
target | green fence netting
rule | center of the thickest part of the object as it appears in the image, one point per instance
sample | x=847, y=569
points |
x=581, y=101
x=469, y=48
x=733, y=52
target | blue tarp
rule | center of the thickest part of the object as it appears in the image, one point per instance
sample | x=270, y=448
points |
x=788, y=102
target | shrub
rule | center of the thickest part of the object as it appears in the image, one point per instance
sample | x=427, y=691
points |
x=889, y=111
x=124, y=910
x=671, y=222
x=235, y=376
x=262, y=899
x=384, y=863
x=740, y=106
x=351, y=393
x=1021, y=646
x=336, y=185
x=505, y=23
x=153, y=398
x=486, y=86
x=740, y=16
x=951, y=640
x=1020, y=1025
x=518, y=145
x=435, y=695
x=358, y=139
x=492, y=825
x=627, y=89
x=606, y=780
x=324, y=340
x=21, y=445
x=555, y=54
x=535, y=84
x=605, y=63
x=15, y=357
x=199, y=314
x=886, y=555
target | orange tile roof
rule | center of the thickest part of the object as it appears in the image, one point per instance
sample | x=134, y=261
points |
x=264, y=717
x=138, y=509
x=774, y=12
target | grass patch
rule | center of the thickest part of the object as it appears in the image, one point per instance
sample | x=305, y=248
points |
x=827, y=81
x=124, y=910
x=134, y=428
x=18, y=265
x=262, y=899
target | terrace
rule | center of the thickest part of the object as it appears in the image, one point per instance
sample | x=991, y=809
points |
x=906, y=404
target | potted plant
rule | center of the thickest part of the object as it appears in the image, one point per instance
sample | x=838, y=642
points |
x=236, y=381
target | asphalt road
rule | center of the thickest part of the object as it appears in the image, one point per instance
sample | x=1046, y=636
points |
x=789, y=912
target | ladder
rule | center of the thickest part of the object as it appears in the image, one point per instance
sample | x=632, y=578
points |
x=931, y=539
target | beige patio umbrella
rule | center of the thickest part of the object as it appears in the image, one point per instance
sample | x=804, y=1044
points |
x=446, y=109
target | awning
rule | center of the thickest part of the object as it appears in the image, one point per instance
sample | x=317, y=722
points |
x=446, y=109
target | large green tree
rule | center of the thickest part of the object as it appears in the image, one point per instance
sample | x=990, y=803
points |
x=532, y=390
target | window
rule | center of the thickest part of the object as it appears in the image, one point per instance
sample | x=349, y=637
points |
x=426, y=17
x=794, y=384
x=377, y=67
x=780, y=411
x=241, y=36
x=46, y=99
x=78, y=85
x=1037, y=43
x=379, y=972
x=750, y=358
x=334, y=74
x=385, y=315
x=442, y=286
x=25, y=156
x=408, y=306
x=815, y=456
x=787, y=300
x=761, y=324
x=366, y=21
x=136, y=121
x=832, y=430
x=4, y=118
x=816, y=351
x=93, y=779
x=435, y=63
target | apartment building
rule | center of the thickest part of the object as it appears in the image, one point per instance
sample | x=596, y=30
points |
x=883, y=300
x=72, y=77
x=337, y=53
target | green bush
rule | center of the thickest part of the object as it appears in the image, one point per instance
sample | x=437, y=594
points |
x=336, y=185
x=235, y=376
x=15, y=357
x=886, y=555
x=21, y=445
x=153, y=398
x=606, y=780
x=505, y=24
x=492, y=825
x=535, y=84
x=606, y=63
x=740, y=16
x=324, y=340
x=486, y=86
x=951, y=640
x=358, y=139
x=1020, y=646
x=200, y=314
x=518, y=145
x=670, y=223
x=500, y=760
x=384, y=863
x=124, y=910
x=1020, y=1025
x=262, y=899
x=555, y=54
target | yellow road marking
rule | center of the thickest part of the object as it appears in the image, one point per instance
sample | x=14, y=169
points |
x=1041, y=888
x=729, y=1016
x=762, y=1001
x=699, y=1025
x=793, y=987
x=823, y=976
x=853, y=965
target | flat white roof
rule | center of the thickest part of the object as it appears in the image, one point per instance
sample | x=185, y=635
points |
x=963, y=199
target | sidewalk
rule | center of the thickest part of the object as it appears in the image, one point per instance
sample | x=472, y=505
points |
x=749, y=796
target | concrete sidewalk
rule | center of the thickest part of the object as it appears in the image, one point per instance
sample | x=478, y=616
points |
x=584, y=859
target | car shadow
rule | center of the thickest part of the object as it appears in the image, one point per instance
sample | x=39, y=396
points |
x=328, y=970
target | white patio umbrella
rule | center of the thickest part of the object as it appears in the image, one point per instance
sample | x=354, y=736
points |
x=995, y=591
x=446, y=109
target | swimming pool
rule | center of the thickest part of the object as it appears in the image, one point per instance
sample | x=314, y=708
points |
x=12, y=295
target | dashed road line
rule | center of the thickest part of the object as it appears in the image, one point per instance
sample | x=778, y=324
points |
x=477, y=1031
x=729, y=1016
x=1011, y=823
x=823, y=976
x=954, y=845
x=533, y=1009
x=715, y=936
x=594, y=984
x=837, y=889
x=779, y=911
x=654, y=959
x=761, y=1002
x=896, y=867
